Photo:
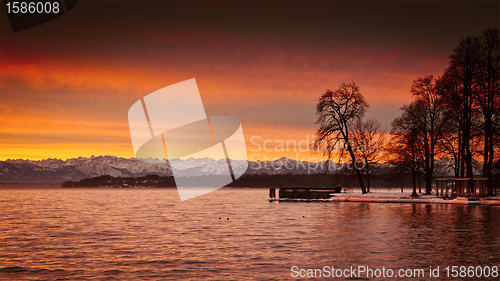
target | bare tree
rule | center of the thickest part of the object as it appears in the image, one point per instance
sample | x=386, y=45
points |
x=430, y=120
x=407, y=141
x=337, y=111
x=369, y=141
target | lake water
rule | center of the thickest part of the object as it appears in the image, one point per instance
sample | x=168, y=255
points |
x=230, y=234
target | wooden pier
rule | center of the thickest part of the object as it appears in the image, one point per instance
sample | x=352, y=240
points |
x=309, y=193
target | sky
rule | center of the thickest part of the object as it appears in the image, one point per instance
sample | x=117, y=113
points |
x=66, y=86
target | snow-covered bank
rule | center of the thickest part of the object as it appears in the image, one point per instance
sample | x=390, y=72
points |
x=406, y=198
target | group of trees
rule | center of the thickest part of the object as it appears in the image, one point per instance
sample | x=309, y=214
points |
x=455, y=116
x=420, y=128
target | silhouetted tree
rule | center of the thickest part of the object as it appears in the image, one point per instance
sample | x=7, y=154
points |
x=370, y=143
x=430, y=121
x=337, y=111
x=407, y=141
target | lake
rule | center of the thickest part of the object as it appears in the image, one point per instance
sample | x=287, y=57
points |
x=234, y=234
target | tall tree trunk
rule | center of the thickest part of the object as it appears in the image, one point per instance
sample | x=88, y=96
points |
x=462, y=157
x=431, y=172
x=468, y=119
x=413, y=172
x=427, y=167
x=488, y=156
x=459, y=159
x=367, y=177
x=401, y=173
x=358, y=172
x=419, y=185
x=428, y=176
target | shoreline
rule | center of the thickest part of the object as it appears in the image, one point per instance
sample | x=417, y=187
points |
x=435, y=200
x=398, y=198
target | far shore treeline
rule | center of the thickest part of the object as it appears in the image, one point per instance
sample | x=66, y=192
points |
x=319, y=180
x=286, y=180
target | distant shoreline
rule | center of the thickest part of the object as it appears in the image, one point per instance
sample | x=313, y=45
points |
x=155, y=181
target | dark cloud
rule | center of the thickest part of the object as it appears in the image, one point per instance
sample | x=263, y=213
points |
x=128, y=24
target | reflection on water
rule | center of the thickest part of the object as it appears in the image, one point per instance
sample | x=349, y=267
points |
x=228, y=234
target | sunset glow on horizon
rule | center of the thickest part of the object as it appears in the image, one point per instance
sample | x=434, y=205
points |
x=66, y=86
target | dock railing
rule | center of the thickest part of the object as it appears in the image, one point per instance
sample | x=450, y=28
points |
x=461, y=187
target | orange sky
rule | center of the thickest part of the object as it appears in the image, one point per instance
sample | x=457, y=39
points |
x=66, y=86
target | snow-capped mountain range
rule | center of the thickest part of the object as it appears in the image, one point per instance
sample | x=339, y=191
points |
x=57, y=170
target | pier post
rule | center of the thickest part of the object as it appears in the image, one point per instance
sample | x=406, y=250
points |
x=474, y=185
x=446, y=186
x=272, y=193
